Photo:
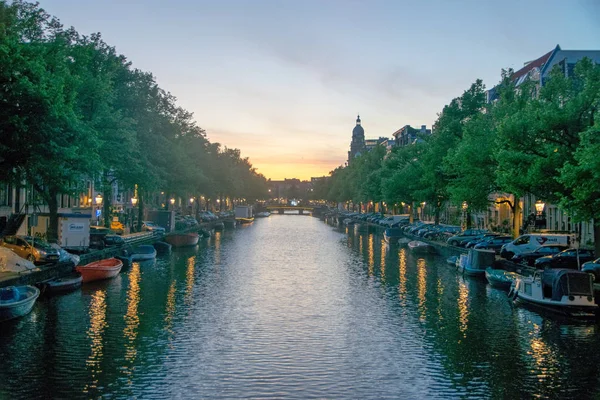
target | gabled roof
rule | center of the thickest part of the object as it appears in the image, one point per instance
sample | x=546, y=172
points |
x=538, y=63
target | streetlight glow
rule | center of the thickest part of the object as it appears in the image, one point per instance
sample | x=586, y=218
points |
x=99, y=199
x=134, y=201
x=539, y=207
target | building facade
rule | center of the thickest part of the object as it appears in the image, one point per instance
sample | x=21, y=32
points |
x=409, y=135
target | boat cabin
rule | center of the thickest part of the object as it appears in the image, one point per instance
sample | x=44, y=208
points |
x=557, y=283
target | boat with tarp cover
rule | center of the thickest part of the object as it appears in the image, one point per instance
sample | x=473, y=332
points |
x=563, y=291
x=182, y=239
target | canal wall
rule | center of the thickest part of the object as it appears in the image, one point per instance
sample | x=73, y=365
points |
x=51, y=271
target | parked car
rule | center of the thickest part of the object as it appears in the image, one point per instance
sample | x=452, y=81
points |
x=565, y=259
x=33, y=249
x=592, y=267
x=495, y=243
x=486, y=237
x=152, y=227
x=530, y=241
x=467, y=234
x=545, y=250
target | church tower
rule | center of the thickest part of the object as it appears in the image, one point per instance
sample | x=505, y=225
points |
x=357, y=146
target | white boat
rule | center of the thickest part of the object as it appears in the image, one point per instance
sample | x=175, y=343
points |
x=452, y=261
x=562, y=291
x=16, y=301
x=263, y=214
x=143, y=252
x=416, y=246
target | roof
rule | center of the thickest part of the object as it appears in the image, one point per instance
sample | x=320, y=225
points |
x=537, y=63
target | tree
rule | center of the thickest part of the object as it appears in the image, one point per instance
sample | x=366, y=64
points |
x=44, y=142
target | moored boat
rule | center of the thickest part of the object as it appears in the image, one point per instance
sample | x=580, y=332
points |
x=452, y=261
x=17, y=301
x=219, y=226
x=143, y=252
x=476, y=262
x=500, y=278
x=182, y=239
x=162, y=247
x=263, y=214
x=563, y=291
x=245, y=220
x=63, y=284
x=403, y=241
x=229, y=223
x=416, y=246
x=98, y=270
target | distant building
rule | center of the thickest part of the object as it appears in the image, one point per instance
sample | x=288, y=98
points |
x=370, y=144
x=409, y=135
x=288, y=189
x=357, y=146
x=539, y=69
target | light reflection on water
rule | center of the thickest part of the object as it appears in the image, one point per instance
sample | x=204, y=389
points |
x=290, y=307
x=95, y=334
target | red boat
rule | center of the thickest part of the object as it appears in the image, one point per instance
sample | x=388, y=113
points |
x=103, y=269
x=182, y=239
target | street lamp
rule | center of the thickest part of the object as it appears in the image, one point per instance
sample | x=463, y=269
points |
x=172, y=201
x=539, y=207
x=134, y=201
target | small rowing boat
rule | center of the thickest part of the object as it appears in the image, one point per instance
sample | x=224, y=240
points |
x=17, y=301
x=98, y=270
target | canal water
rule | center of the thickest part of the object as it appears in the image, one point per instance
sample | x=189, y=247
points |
x=290, y=307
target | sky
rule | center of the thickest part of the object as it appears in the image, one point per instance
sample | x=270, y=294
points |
x=283, y=81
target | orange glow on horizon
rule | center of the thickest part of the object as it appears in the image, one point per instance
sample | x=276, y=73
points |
x=304, y=172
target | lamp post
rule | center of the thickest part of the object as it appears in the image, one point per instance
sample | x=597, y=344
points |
x=539, y=215
x=465, y=206
x=134, y=201
x=99, y=211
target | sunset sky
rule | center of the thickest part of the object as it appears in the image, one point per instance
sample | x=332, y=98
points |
x=284, y=80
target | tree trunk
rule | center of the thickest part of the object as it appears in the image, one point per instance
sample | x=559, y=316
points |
x=140, y=212
x=597, y=237
x=437, y=215
x=107, y=194
x=52, y=233
x=411, y=217
x=517, y=218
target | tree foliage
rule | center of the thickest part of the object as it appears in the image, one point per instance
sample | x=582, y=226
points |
x=75, y=109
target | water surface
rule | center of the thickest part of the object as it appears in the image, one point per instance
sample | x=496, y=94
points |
x=290, y=307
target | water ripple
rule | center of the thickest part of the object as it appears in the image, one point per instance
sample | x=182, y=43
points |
x=293, y=308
